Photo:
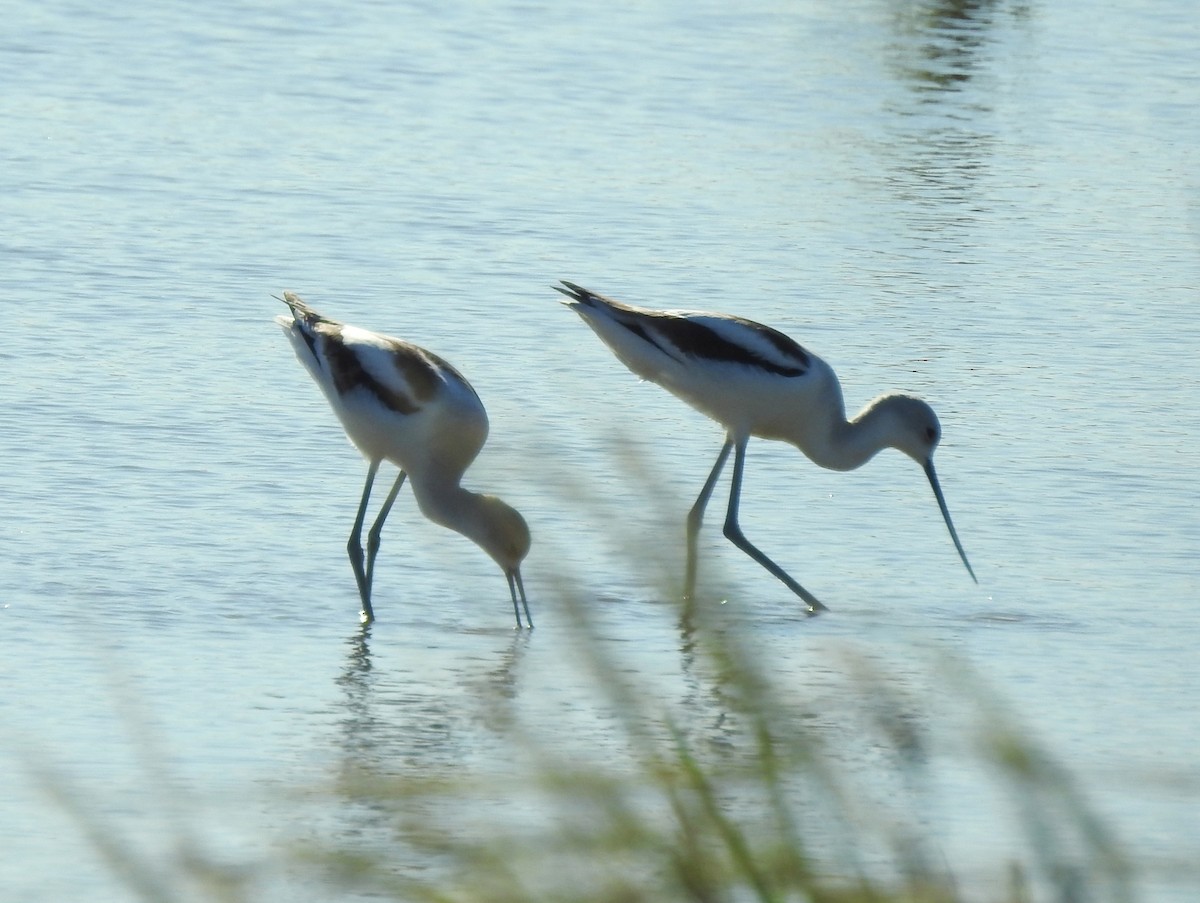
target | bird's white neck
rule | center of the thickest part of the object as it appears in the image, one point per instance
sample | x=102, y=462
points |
x=852, y=443
x=451, y=506
x=487, y=521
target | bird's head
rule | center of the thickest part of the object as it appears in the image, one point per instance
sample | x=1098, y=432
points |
x=506, y=535
x=914, y=427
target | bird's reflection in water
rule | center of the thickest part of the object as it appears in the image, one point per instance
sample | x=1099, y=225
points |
x=358, y=683
x=707, y=687
x=726, y=689
x=425, y=707
x=496, y=689
x=420, y=715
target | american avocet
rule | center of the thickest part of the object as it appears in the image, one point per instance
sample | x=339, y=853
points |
x=402, y=403
x=755, y=381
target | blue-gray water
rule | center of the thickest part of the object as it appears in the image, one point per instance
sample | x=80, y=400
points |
x=992, y=205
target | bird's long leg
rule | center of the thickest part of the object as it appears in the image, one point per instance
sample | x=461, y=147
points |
x=696, y=518
x=734, y=533
x=354, y=545
x=377, y=529
x=515, y=586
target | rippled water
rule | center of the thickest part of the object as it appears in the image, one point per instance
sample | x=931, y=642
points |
x=992, y=205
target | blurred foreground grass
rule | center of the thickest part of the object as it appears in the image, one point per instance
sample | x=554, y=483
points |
x=772, y=815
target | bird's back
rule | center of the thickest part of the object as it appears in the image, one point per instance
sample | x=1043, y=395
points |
x=747, y=376
x=395, y=399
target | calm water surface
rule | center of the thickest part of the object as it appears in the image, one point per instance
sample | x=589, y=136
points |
x=992, y=205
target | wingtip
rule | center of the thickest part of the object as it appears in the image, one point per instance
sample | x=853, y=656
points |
x=300, y=309
x=576, y=293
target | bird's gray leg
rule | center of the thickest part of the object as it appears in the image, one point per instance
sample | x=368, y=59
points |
x=734, y=533
x=515, y=586
x=696, y=517
x=354, y=546
x=377, y=529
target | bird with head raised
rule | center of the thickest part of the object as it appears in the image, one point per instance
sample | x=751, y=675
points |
x=756, y=381
x=401, y=403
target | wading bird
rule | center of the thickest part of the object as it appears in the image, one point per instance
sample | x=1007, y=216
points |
x=404, y=404
x=755, y=381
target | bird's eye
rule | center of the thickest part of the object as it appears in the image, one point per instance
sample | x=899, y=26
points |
x=931, y=434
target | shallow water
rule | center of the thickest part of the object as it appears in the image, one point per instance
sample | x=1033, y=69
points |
x=992, y=205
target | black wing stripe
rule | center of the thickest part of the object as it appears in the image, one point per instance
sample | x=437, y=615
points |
x=701, y=341
x=348, y=374
x=696, y=339
x=640, y=331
